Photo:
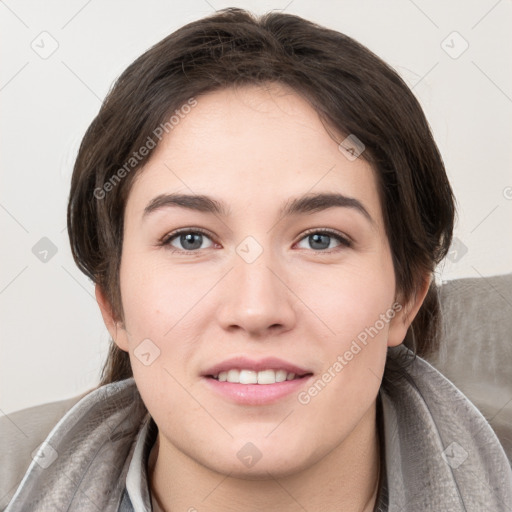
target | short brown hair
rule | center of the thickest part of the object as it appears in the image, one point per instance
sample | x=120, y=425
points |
x=352, y=90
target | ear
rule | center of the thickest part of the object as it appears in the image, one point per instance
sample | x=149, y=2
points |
x=114, y=327
x=405, y=313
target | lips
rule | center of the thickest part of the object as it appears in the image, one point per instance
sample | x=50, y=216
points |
x=245, y=381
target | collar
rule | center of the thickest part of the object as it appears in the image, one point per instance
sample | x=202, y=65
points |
x=137, y=478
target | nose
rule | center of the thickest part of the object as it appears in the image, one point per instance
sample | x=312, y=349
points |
x=257, y=298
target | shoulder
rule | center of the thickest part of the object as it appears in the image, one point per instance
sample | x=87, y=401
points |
x=90, y=436
x=21, y=433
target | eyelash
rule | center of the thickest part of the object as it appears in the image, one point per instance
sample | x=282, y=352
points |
x=344, y=241
x=166, y=241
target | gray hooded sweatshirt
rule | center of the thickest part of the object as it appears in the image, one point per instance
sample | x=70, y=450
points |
x=438, y=453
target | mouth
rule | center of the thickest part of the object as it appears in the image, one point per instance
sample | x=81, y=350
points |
x=251, y=382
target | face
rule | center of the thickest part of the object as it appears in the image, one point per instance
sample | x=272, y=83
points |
x=254, y=251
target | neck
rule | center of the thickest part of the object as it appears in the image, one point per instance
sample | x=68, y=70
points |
x=346, y=479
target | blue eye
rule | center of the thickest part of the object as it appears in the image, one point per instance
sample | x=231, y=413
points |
x=188, y=240
x=322, y=240
x=193, y=240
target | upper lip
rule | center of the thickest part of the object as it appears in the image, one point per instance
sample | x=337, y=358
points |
x=244, y=363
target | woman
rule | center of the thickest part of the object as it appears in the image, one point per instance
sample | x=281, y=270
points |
x=262, y=207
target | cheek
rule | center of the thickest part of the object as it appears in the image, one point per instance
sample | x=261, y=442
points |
x=353, y=364
x=356, y=307
x=350, y=298
x=155, y=314
x=162, y=317
x=154, y=299
x=152, y=306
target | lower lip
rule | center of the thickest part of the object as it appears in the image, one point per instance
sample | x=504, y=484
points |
x=256, y=394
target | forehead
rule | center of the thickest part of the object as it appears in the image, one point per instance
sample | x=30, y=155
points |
x=252, y=146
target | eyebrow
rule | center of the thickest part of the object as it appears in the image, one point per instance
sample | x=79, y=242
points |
x=200, y=203
x=311, y=203
x=308, y=203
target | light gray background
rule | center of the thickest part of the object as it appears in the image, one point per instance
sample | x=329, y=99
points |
x=53, y=341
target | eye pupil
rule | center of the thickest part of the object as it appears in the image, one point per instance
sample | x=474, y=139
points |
x=319, y=241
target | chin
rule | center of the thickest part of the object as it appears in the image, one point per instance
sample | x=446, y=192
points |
x=274, y=467
x=255, y=458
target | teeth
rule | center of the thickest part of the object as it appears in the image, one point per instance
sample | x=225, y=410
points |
x=248, y=377
x=281, y=375
x=267, y=377
x=252, y=377
x=233, y=376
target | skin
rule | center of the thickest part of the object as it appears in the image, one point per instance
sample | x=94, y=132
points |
x=255, y=148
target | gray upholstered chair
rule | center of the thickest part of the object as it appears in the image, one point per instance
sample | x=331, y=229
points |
x=476, y=351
